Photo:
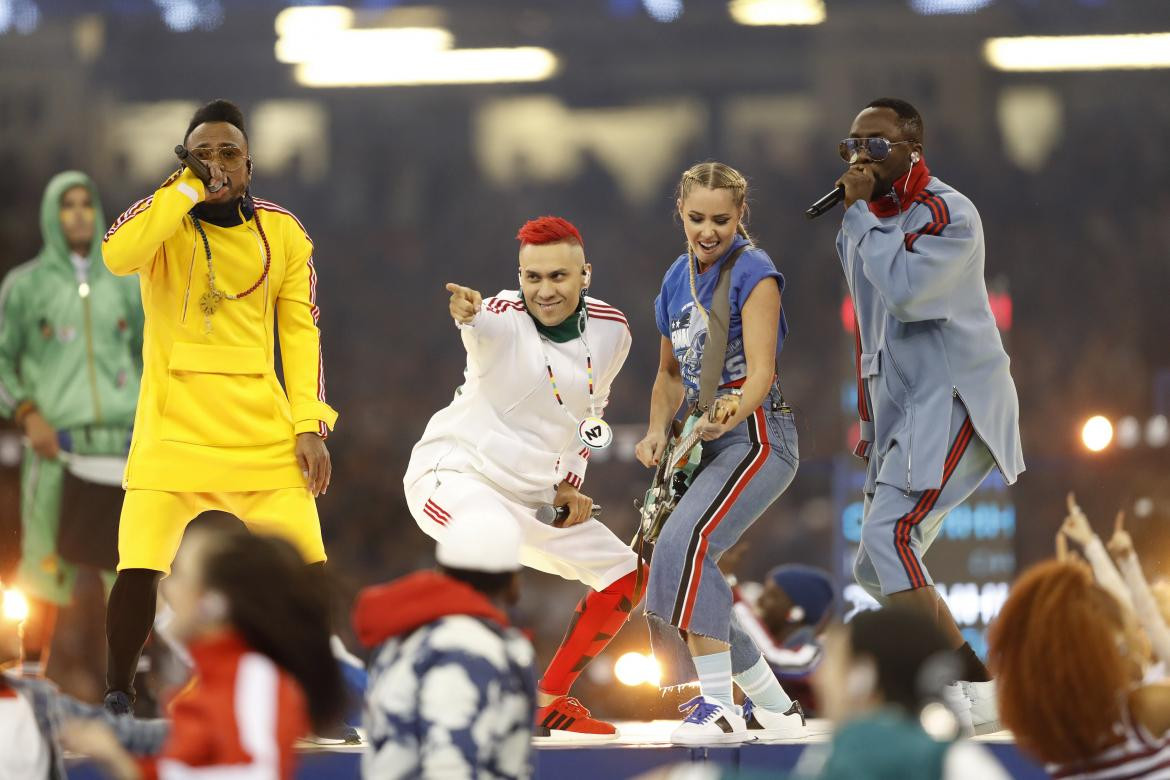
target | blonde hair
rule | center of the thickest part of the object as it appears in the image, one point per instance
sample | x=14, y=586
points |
x=714, y=176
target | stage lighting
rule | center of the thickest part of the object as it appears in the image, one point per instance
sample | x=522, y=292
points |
x=758, y=13
x=23, y=16
x=663, y=10
x=937, y=7
x=1097, y=433
x=1079, y=52
x=188, y=15
x=328, y=51
x=635, y=669
x=15, y=606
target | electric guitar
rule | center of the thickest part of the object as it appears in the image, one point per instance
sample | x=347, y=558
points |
x=676, y=469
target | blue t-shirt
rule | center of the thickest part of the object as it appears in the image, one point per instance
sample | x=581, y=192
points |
x=674, y=310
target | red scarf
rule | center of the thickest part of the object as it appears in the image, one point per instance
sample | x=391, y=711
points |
x=905, y=190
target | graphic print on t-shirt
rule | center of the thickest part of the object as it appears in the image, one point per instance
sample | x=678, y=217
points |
x=688, y=337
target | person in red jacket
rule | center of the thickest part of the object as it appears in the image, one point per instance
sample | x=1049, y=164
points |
x=255, y=621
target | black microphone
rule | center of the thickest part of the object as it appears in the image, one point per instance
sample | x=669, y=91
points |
x=826, y=203
x=197, y=167
x=555, y=515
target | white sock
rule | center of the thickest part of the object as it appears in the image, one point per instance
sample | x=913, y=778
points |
x=761, y=685
x=715, y=677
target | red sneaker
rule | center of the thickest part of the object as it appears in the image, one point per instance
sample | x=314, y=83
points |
x=567, y=718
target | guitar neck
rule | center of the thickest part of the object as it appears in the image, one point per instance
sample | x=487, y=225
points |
x=682, y=448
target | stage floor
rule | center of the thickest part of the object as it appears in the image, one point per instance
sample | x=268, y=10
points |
x=640, y=747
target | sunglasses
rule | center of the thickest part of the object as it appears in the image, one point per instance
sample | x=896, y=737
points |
x=877, y=149
x=231, y=158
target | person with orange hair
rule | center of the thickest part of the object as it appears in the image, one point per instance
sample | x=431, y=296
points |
x=1106, y=724
x=516, y=440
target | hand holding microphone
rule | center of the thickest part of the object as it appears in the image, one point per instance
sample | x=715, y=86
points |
x=557, y=515
x=855, y=184
x=212, y=177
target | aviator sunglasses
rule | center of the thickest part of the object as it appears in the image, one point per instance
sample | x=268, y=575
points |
x=877, y=149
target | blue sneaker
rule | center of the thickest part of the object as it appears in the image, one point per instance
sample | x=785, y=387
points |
x=710, y=722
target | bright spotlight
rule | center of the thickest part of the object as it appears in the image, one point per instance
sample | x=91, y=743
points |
x=635, y=669
x=328, y=51
x=1097, y=433
x=1079, y=52
x=15, y=606
x=758, y=13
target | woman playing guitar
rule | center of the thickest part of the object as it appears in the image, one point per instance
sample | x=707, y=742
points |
x=749, y=457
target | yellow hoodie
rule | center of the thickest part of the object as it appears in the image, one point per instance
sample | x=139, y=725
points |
x=212, y=415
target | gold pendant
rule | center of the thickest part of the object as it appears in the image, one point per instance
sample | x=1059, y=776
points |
x=209, y=302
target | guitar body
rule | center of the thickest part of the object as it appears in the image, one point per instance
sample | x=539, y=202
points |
x=676, y=469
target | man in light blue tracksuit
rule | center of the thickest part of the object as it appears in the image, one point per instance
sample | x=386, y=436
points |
x=937, y=403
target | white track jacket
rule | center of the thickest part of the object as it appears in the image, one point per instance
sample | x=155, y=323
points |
x=505, y=424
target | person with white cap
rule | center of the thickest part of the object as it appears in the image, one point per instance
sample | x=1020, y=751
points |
x=452, y=686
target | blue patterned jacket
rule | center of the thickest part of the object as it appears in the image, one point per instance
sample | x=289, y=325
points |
x=452, y=687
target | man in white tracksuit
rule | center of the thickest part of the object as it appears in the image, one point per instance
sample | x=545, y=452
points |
x=517, y=436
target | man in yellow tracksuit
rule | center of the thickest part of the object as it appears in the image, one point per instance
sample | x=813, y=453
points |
x=221, y=273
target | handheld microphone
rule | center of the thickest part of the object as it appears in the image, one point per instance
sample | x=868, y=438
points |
x=826, y=203
x=830, y=200
x=197, y=167
x=555, y=515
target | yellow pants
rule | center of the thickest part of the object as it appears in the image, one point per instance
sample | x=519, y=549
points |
x=153, y=522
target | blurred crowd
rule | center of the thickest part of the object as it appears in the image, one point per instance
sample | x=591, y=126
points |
x=1079, y=655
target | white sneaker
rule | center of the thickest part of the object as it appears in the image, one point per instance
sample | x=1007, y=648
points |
x=984, y=706
x=710, y=722
x=767, y=725
x=955, y=697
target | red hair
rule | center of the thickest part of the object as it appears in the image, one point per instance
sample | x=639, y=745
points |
x=549, y=230
x=1060, y=674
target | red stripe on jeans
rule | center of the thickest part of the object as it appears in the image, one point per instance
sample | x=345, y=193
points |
x=758, y=460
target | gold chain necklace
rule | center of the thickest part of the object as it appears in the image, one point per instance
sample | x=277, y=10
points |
x=209, y=302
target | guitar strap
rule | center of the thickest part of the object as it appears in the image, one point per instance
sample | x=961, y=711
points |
x=718, y=323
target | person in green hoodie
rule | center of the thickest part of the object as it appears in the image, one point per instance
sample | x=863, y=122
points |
x=70, y=365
